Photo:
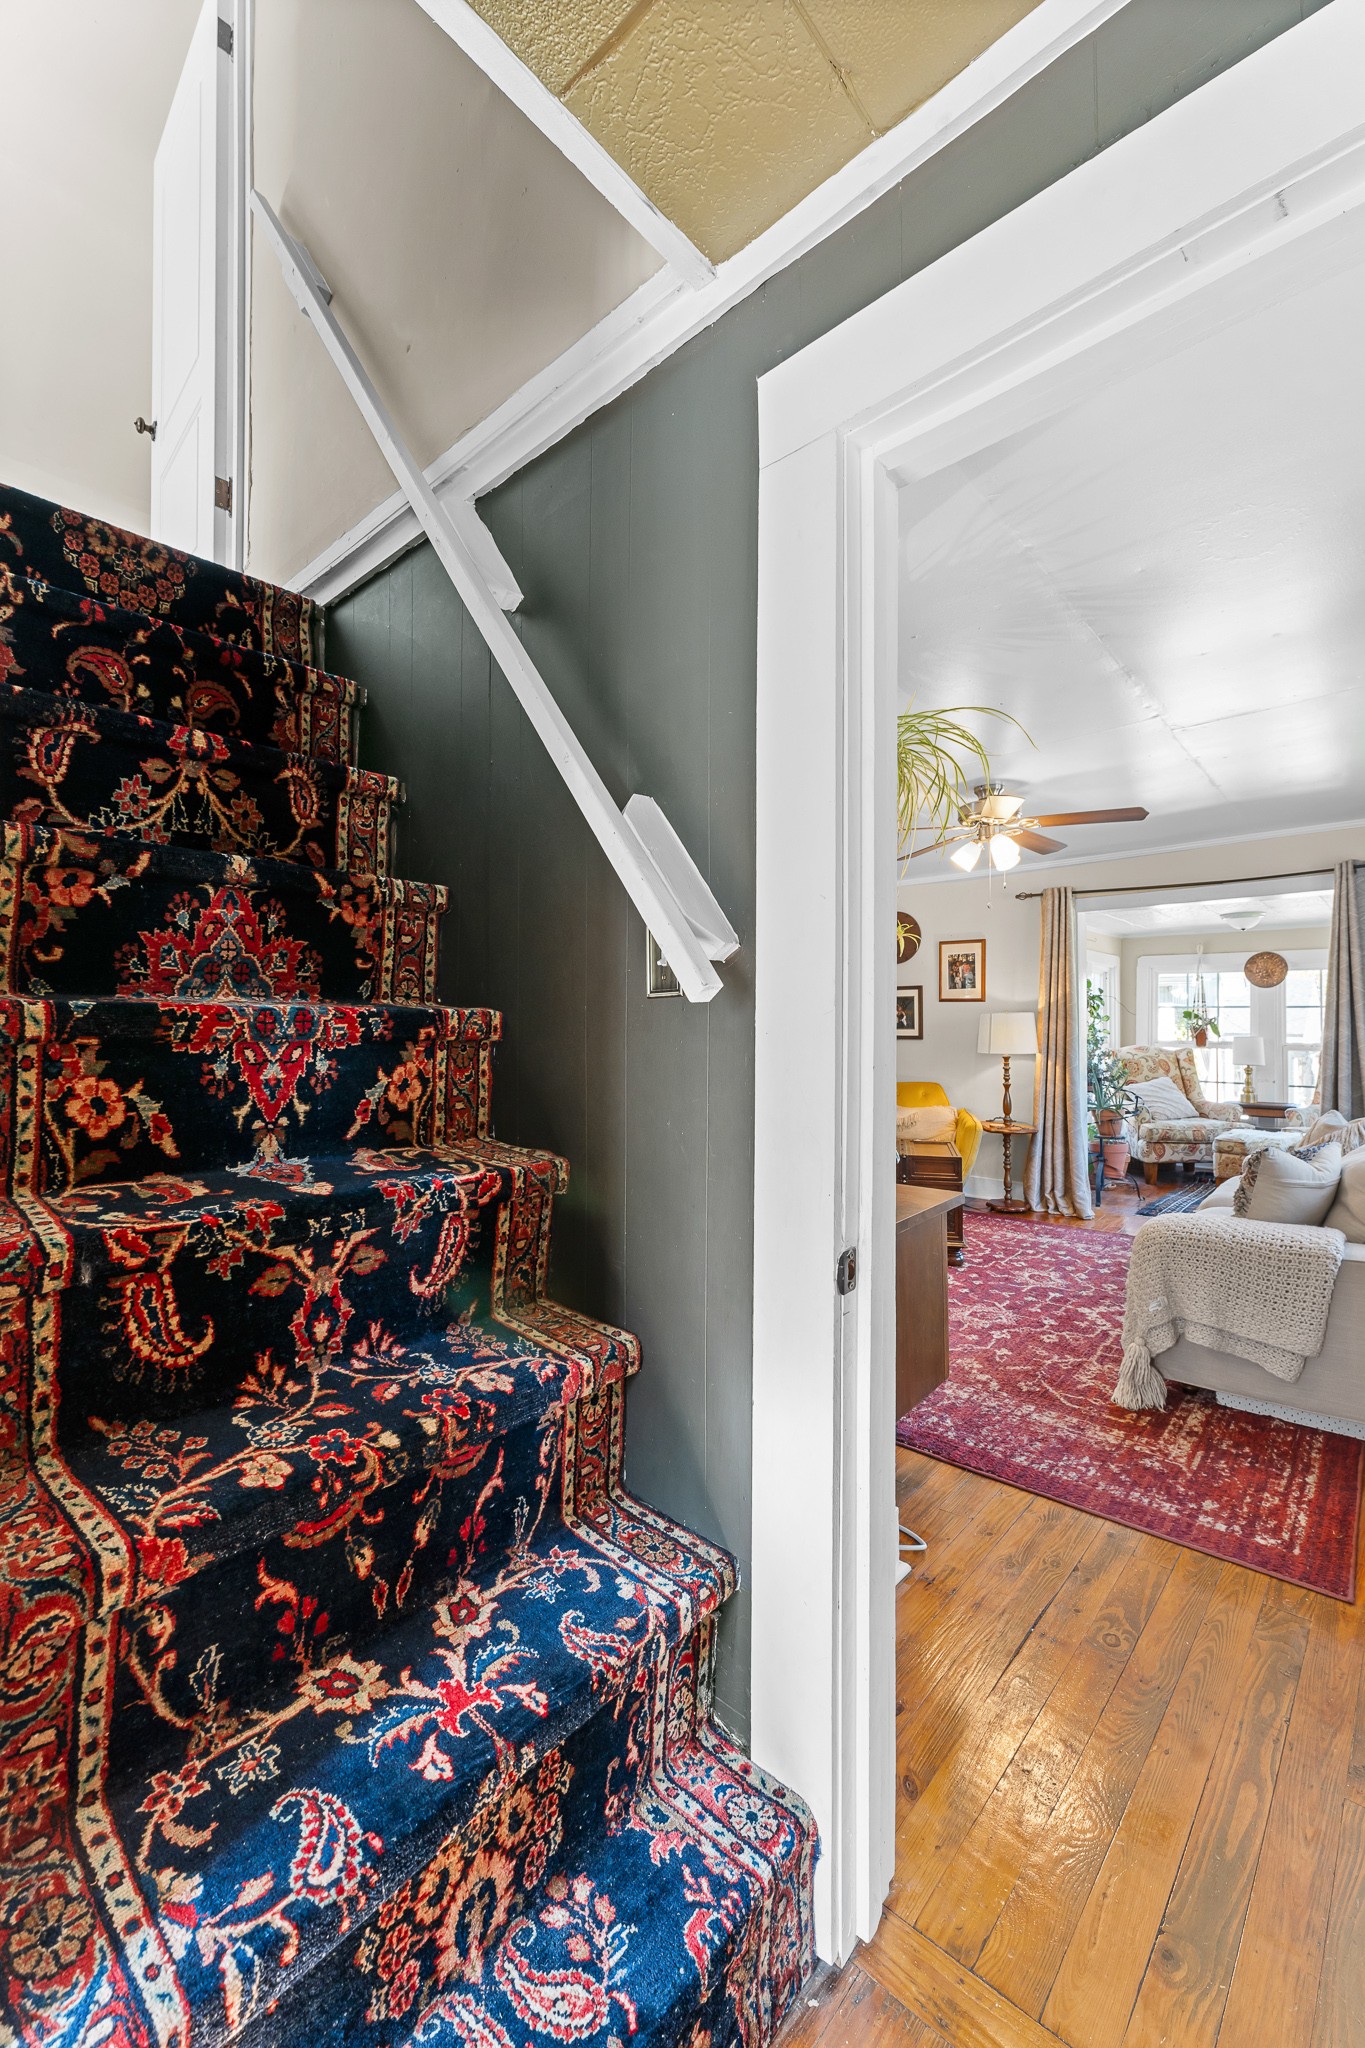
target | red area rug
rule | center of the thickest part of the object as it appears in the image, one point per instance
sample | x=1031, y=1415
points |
x=1035, y=1317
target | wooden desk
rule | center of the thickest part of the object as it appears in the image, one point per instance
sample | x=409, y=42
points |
x=921, y=1292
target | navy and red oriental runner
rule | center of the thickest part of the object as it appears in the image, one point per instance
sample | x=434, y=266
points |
x=345, y=1694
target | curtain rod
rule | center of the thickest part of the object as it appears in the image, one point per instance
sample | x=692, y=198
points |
x=1155, y=888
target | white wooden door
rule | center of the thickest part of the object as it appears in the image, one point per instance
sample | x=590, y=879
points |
x=192, y=299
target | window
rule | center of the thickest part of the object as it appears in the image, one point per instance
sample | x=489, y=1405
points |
x=1288, y=1018
x=1304, y=991
x=1102, y=974
x=1227, y=998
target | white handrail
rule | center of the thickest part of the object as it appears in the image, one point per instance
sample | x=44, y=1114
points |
x=663, y=883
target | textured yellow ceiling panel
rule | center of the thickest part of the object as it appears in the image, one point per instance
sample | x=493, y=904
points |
x=725, y=115
x=895, y=53
x=556, y=38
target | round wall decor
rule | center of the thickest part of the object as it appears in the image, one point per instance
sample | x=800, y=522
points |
x=908, y=936
x=1266, y=970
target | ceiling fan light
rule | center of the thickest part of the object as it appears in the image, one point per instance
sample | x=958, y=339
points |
x=999, y=808
x=1004, y=852
x=967, y=855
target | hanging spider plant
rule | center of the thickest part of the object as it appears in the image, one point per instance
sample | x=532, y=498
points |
x=937, y=760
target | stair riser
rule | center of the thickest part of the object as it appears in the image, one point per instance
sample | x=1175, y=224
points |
x=111, y=772
x=114, y=1091
x=85, y=914
x=78, y=649
x=106, y=562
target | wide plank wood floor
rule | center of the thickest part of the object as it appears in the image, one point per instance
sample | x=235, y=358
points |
x=1131, y=1810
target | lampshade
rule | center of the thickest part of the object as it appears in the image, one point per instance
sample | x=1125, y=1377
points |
x=1248, y=1052
x=1004, y=852
x=1011, y=1033
x=967, y=855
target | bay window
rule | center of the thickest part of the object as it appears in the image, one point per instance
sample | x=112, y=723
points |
x=1288, y=1018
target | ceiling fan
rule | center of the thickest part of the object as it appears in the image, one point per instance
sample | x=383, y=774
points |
x=993, y=825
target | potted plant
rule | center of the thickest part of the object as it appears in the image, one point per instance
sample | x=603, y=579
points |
x=1197, y=1024
x=1110, y=1096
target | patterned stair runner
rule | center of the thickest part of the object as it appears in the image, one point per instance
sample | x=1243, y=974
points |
x=345, y=1694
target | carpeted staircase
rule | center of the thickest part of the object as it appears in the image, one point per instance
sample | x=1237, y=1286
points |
x=345, y=1695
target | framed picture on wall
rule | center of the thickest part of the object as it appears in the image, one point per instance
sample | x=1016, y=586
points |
x=909, y=1013
x=962, y=970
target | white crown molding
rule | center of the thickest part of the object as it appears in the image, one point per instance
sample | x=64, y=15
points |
x=665, y=313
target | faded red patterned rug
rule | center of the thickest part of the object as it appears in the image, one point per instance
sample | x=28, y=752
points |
x=1035, y=1317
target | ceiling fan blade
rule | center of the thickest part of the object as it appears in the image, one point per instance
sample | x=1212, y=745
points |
x=937, y=846
x=1133, y=813
x=1038, y=842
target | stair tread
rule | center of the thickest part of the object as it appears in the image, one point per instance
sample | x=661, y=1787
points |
x=89, y=650
x=105, y=914
x=40, y=707
x=95, y=557
x=83, y=765
x=125, y=1089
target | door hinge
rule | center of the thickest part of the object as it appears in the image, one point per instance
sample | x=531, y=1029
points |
x=225, y=36
x=846, y=1272
x=222, y=494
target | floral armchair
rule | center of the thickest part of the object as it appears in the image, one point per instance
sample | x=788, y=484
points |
x=1189, y=1139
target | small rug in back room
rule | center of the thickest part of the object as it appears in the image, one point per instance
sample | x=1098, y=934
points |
x=1035, y=1319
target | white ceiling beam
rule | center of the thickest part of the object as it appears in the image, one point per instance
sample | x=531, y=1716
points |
x=488, y=50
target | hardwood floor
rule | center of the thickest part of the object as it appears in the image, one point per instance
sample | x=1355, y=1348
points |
x=1131, y=1810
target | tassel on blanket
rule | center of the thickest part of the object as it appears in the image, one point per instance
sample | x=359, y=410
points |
x=1140, y=1384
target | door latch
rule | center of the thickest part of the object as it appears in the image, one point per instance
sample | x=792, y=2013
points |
x=846, y=1272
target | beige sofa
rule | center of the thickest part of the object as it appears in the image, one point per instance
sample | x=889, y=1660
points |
x=1331, y=1388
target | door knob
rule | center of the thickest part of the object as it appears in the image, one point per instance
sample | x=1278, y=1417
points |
x=145, y=426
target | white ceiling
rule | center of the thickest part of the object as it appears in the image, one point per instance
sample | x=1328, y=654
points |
x=1276, y=913
x=1166, y=585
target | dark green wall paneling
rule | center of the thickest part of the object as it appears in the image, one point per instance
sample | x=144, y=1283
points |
x=635, y=542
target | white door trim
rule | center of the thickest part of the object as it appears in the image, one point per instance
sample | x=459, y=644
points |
x=1111, y=266
x=666, y=312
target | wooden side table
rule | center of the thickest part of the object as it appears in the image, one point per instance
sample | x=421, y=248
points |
x=1269, y=1115
x=1009, y=1204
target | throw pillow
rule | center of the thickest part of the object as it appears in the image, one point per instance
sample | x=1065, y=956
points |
x=1327, y=1124
x=929, y=1125
x=1347, y=1213
x=1289, y=1187
x=1163, y=1101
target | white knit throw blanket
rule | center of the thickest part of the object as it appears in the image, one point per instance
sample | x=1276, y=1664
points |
x=1259, y=1290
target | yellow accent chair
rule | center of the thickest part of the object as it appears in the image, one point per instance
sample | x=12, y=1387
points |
x=929, y=1095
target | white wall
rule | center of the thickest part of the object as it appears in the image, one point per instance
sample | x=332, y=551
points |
x=465, y=254
x=85, y=86
x=970, y=908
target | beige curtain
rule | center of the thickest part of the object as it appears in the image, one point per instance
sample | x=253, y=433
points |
x=1343, y=1020
x=1056, y=1178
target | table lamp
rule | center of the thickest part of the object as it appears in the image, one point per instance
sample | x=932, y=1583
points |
x=1248, y=1052
x=1009, y=1034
